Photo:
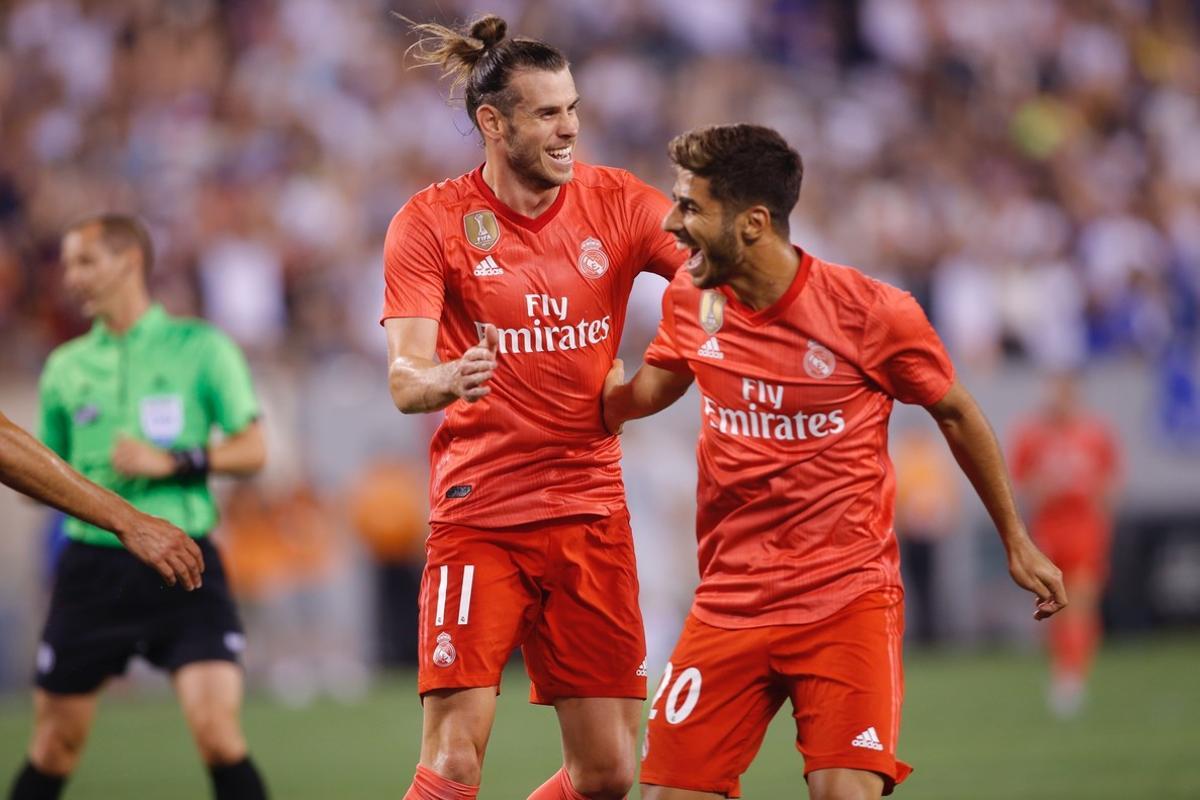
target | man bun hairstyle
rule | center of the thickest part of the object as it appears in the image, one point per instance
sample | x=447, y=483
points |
x=745, y=165
x=481, y=60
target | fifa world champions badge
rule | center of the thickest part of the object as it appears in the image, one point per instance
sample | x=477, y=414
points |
x=482, y=229
x=444, y=654
x=712, y=311
x=819, y=362
x=593, y=261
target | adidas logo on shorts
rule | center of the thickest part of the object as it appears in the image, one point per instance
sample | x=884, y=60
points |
x=641, y=670
x=868, y=739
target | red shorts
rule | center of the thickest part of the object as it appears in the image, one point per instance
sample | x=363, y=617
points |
x=1077, y=552
x=722, y=687
x=565, y=591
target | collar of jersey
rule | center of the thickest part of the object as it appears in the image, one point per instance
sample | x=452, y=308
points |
x=150, y=319
x=779, y=306
x=533, y=224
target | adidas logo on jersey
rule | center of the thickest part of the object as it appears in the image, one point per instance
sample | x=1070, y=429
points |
x=488, y=267
x=711, y=349
x=868, y=739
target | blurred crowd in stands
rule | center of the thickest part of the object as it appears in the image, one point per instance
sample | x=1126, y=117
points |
x=1030, y=169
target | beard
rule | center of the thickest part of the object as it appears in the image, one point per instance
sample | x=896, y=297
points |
x=721, y=258
x=525, y=159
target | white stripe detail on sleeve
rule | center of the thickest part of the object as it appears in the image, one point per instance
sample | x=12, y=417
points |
x=464, y=602
x=443, y=579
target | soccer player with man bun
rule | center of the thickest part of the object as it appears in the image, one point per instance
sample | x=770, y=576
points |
x=505, y=298
x=798, y=363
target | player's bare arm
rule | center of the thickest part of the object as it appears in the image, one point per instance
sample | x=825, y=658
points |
x=651, y=390
x=243, y=453
x=419, y=383
x=977, y=451
x=33, y=469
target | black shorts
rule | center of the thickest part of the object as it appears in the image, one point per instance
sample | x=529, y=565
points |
x=107, y=606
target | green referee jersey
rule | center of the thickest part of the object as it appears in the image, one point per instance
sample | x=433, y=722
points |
x=167, y=381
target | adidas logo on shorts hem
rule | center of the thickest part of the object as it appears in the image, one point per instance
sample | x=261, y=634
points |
x=868, y=739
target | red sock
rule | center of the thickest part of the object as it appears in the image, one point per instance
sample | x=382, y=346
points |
x=428, y=785
x=1073, y=643
x=559, y=787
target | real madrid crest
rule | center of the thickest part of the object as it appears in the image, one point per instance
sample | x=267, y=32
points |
x=712, y=311
x=482, y=229
x=819, y=362
x=593, y=261
x=444, y=654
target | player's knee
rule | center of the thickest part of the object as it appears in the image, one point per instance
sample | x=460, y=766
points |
x=607, y=779
x=57, y=747
x=459, y=760
x=218, y=738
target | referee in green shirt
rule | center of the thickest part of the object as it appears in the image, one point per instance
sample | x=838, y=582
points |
x=131, y=405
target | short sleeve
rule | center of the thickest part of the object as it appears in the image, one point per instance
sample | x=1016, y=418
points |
x=664, y=352
x=413, y=265
x=228, y=387
x=654, y=248
x=53, y=419
x=902, y=353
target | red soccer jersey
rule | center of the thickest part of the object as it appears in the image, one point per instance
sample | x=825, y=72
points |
x=556, y=286
x=795, y=496
x=1073, y=464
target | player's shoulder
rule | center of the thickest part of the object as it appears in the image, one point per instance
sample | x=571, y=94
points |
x=596, y=176
x=68, y=354
x=441, y=200
x=850, y=284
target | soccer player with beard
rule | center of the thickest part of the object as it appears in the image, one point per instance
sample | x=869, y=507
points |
x=505, y=299
x=799, y=362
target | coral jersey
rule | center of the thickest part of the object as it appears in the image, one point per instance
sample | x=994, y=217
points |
x=556, y=287
x=1074, y=463
x=795, y=495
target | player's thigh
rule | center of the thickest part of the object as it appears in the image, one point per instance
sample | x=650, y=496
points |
x=846, y=681
x=599, y=730
x=454, y=721
x=589, y=640
x=480, y=593
x=844, y=784
x=711, y=710
x=209, y=689
x=61, y=721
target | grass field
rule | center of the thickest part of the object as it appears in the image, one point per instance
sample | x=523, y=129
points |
x=974, y=728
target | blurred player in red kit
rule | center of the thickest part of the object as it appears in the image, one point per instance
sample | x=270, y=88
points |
x=505, y=299
x=798, y=363
x=1065, y=462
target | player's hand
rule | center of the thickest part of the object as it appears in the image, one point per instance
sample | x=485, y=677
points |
x=161, y=545
x=614, y=378
x=474, y=369
x=1031, y=570
x=134, y=458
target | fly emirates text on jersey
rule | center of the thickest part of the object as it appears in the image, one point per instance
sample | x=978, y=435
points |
x=549, y=330
x=762, y=418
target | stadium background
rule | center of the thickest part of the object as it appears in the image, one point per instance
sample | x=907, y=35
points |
x=1029, y=169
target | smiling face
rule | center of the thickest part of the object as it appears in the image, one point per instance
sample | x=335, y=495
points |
x=701, y=224
x=95, y=275
x=539, y=134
